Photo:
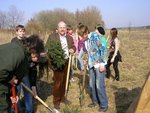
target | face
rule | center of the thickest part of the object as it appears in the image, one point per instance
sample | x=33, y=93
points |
x=13, y=81
x=62, y=28
x=85, y=35
x=34, y=57
x=20, y=33
x=70, y=31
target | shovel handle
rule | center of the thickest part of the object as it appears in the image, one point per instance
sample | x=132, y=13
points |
x=36, y=97
x=14, y=96
x=68, y=73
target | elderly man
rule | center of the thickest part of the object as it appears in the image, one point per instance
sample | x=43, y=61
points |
x=59, y=78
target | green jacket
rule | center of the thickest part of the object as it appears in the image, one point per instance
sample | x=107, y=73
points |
x=13, y=61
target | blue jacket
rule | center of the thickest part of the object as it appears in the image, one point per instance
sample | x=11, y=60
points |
x=95, y=49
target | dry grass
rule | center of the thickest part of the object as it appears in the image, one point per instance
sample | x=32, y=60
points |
x=6, y=36
x=135, y=50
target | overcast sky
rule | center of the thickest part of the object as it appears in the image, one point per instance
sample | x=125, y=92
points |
x=115, y=13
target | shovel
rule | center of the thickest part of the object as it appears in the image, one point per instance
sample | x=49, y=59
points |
x=40, y=100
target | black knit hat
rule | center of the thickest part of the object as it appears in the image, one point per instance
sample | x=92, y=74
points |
x=101, y=30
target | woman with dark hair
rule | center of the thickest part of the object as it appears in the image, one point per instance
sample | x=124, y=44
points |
x=14, y=63
x=114, y=54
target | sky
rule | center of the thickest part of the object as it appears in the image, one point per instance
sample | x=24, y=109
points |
x=115, y=13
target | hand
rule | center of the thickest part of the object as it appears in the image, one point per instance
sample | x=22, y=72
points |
x=102, y=68
x=84, y=62
x=14, y=100
x=13, y=81
x=76, y=54
x=34, y=90
x=71, y=51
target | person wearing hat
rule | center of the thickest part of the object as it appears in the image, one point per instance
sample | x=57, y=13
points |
x=96, y=62
x=101, y=32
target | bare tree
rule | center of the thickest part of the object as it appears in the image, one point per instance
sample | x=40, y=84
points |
x=33, y=27
x=2, y=19
x=14, y=17
x=90, y=16
x=50, y=18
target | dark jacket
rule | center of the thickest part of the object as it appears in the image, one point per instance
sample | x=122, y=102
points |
x=55, y=63
x=55, y=36
x=13, y=61
x=33, y=73
x=31, y=69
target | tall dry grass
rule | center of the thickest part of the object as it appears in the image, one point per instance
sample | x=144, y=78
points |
x=6, y=36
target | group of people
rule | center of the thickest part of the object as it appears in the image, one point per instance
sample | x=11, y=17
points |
x=20, y=58
x=94, y=44
x=16, y=58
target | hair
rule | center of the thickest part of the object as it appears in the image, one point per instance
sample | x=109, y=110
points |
x=82, y=30
x=61, y=22
x=20, y=27
x=98, y=25
x=34, y=44
x=69, y=27
x=100, y=29
x=114, y=32
x=79, y=24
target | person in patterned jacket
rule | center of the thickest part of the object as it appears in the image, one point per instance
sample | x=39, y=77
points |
x=96, y=62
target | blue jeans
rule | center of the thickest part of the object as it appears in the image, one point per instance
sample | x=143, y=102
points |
x=27, y=95
x=97, y=85
x=80, y=58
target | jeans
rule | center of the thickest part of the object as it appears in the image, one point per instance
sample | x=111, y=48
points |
x=97, y=85
x=80, y=58
x=27, y=95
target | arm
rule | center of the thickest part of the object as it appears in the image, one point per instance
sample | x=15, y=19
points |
x=102, y=49
x=14, y=98
x=107, y=38
x=103, y=54
x=32, y=78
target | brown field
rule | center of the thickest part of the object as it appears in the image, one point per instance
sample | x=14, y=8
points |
x=135, y=50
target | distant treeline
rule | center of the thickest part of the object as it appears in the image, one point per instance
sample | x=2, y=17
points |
x=139, y=27
x=47, y=20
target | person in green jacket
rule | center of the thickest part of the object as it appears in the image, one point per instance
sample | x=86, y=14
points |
x=14, y=63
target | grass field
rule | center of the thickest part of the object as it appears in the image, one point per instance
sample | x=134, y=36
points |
x=135, y=50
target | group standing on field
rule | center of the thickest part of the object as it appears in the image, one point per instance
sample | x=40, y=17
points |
x=21, y=56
